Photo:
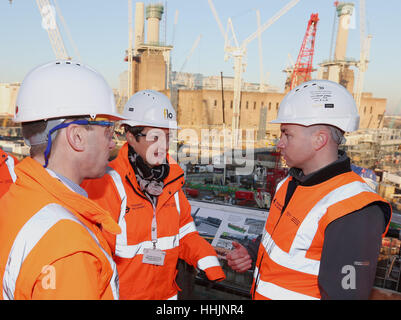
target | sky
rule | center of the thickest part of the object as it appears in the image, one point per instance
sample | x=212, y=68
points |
x=99, y=30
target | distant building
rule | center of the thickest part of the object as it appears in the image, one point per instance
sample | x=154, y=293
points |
x=8, y=97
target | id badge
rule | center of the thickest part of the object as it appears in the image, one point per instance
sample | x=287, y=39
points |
x=153, y=256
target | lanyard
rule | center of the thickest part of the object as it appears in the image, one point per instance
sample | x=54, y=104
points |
x=154, y=229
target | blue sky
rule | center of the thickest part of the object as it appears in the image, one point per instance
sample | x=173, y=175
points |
x=99, y=29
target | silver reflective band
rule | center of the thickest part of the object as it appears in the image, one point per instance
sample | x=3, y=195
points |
x=177, y=202
x=121, y=239
x=275, y=292
x=208, y=262
x=188, y=228
x=10, y=165
x=31, y=233
x=130, y=251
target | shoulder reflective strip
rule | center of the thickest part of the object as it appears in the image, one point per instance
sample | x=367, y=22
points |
x=188, y=228
x=275, y=292
x=11, y=164
x=177, y=202
x=174, y=297
x=163, y=243
x=30, y=235
x=295, y=259
x=121, y=238
x=281, y=183
x=208, y=262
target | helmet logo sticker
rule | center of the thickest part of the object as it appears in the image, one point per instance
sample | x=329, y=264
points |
x=131, y=109
x=167, y=115
x=329, y=105
x=321, y=95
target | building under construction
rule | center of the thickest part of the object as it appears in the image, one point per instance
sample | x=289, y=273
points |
x=200, y=108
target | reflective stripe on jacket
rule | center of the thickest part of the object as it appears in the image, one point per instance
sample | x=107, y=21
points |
x=52, y=247
x=289, y=255
x=120, y=194
x=7, y=173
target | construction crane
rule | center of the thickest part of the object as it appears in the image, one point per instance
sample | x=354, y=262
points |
x=194, y=46
x=49, y=23
x=238, y=52
x=170, y=76
x=179, y=77
x=364, y=54
x=129, y=53
x=303, y=67
x=261, y=81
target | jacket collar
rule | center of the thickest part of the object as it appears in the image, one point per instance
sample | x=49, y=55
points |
x=175, y=169
x=173, y=182
x=341, y=165
x=31, y=173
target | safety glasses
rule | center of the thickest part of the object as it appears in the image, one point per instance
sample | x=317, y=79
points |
x=154, y=136
x=104, y=122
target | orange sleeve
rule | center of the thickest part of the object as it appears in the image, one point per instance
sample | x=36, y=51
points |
x=194, y=249
x=75, y=277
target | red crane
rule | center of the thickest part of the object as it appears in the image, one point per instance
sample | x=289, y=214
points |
x=303, y=66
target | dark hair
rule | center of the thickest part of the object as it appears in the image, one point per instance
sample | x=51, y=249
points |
x=134, y=131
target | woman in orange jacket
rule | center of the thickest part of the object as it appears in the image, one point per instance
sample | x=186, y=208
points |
x=143, y=192
x=7, y=173
x=51, y=243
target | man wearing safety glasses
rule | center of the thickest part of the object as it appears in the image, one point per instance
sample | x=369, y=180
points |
x=52, y=246
x=143, y=192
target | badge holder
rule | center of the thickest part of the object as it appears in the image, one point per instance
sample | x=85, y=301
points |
x=154, y=256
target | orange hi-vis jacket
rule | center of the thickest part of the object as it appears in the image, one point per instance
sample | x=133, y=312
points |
x=289, y=255
x=119, y=192
x=7, y=173
x=51, y=245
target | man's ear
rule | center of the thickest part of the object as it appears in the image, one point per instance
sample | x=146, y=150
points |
x=320, y=139
x=76, y=137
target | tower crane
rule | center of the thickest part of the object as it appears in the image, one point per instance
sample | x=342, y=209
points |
x=261, y=84
x=303, y=67
x=129, y=53
x=49, y=23
x=179, y=76
x=194, y=46
x=364, y=54
x=238, y=52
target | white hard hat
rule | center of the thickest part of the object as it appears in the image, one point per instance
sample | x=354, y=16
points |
x=150, y=108
x=319, y=102
x=61, y=89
